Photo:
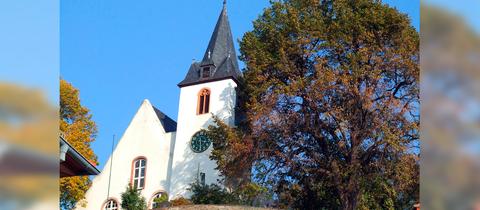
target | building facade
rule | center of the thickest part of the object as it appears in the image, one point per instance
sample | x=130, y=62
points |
x=157, y=155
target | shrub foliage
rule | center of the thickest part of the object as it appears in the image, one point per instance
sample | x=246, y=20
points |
x=133, y=200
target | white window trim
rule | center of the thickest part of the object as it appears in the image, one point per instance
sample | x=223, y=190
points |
x=111, y=205
x=137, y=179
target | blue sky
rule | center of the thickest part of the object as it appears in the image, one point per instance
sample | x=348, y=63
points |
x=120, y=52
x=29, y=46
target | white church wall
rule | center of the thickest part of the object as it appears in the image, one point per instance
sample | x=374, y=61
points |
x=186, y=163
x=144, y=137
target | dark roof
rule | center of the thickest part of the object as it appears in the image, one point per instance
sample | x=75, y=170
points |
x=72, y=163
x=220, y=53
x=168, y=124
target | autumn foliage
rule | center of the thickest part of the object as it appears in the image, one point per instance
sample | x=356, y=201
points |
x=79, y=130
x=331, y=103
x=232, y=152
x=181, y=201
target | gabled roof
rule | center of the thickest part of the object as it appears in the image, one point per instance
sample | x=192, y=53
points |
x=72, y=163
x=168, y=124
x=220, y=53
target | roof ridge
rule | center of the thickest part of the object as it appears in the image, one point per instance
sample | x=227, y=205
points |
x=169, y=125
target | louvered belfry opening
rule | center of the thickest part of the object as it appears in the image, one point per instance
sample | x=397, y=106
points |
x=203, y=101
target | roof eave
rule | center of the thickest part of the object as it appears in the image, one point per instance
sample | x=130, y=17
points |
x=180, y=85
x=89, y=167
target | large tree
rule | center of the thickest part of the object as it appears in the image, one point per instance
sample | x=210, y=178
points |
x=331, y=100
x=79, y=129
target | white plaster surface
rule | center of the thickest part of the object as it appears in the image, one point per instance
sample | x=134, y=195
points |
x=186, y=163
x=171, y=164
x=145, y=137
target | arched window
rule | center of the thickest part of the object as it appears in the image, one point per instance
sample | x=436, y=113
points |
x=158, y=199
x=203, y=101
x=139, y=170
x=111, y=204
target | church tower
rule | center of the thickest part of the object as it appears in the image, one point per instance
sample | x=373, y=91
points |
x=208, y=88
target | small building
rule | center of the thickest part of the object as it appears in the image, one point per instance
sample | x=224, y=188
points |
x=72, y=163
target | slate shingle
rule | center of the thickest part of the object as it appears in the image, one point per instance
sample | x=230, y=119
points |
x=168, y=124
x=220, y=52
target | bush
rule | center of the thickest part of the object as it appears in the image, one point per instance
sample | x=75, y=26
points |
x=133, y=200
x=253, y=195
x=181, y=201
x=211, y=194
x=250, y=194
x=161, y=201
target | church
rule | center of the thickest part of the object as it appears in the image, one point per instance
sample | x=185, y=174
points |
x=157, y=155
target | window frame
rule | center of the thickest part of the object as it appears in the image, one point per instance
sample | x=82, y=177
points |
x=137, y=180
x=151, y=203
x=203, y=101
x=107, y=202
x=206, y=69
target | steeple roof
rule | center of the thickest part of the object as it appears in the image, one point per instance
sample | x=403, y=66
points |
x=220, y=53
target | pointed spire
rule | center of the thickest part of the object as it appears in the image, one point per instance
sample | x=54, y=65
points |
x=221, y=42
x=220, y=54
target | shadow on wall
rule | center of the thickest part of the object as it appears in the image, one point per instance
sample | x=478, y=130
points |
x=228, y=97
x=187, y=170
x=166, y=183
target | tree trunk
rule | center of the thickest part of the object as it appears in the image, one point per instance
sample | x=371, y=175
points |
x=351, y=190
x=350, y=200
